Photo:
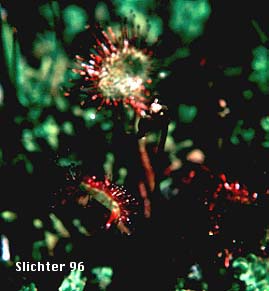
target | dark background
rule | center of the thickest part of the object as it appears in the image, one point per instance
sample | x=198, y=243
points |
x=164, y=247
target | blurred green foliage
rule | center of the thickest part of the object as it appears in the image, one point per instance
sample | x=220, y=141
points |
x=265, y=123
x=8, y=216
x=253, y=271
x=194, y=278
x=260, y=67
x=74, y=281
x=150, y=23
x=242, y=134
x=77, y=223
x=187, y=113
x=101, y=12
x=248, y=94
x=103, y=276
x=188, y=18
x=47, y=117
x=233, y=71
x=75, y=19
x=30, y=287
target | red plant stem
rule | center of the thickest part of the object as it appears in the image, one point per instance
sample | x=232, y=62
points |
x=149, y=174
x=146, y=164
x=144, y=195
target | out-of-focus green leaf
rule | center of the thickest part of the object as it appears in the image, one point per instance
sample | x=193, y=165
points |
x=75, y=19
x=69, y=247
x=59, y=226
x=150, y=24
x=253, y=271
x=247, y=134
x=68, y=128
x=233, y=71
x=248, y=94
x=27, y=163
x=28, y=141
x=102, y=12
x=108, y=165
x=122, y=176
x=188, y=17
x=37, y=223
x=103, y=276
x=187, y=113
x=77, y=223
x=50, y=11
x=8, y=216
x=74, y=281
x=260, y=67
x=30, y=287
x=265, y=123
